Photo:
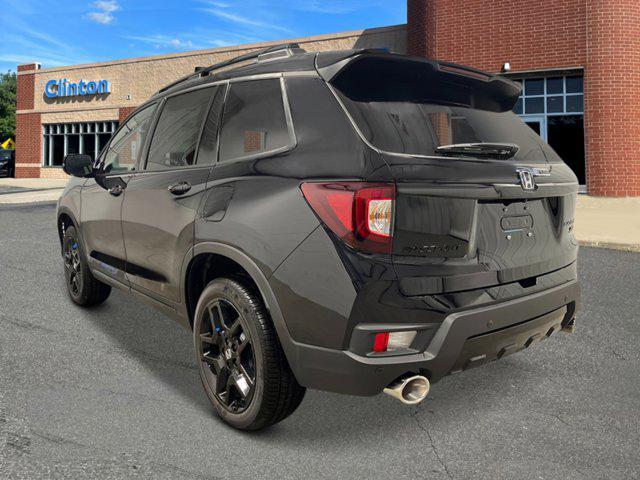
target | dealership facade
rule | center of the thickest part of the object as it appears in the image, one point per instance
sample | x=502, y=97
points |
x=578, y=62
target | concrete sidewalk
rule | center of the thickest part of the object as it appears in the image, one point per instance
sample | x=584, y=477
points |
x=30, y=190
x=608, y=222
x=600, y=222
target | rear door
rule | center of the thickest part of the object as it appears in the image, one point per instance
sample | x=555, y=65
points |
x=162, y=199
x=102, y=200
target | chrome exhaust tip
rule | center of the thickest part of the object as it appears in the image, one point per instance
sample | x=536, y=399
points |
x=409, y=390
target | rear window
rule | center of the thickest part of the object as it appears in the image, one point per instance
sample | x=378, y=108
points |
x=419, y=128
x=412, y=107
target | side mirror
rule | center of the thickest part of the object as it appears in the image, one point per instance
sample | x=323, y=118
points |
x=78, y=165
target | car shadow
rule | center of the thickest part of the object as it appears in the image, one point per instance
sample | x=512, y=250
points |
x=158, y=343
x=322, y=416
x=327, y=418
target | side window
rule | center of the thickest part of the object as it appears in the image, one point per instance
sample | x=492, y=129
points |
x=176, y=136
x=126, y=146
x=254, y=120
x=208, y=149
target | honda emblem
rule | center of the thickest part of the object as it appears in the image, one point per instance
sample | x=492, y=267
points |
x=527, y=180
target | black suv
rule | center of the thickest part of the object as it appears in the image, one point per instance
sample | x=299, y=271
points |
x=351, y=221
x=7, y=163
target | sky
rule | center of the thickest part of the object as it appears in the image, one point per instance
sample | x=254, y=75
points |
x=69, y=32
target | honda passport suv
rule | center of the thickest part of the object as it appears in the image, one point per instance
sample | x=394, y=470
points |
x=351, y=221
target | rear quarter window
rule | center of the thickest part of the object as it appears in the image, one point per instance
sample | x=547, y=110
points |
x=255, y=120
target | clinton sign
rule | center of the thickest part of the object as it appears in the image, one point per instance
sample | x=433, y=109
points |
x=64, y=88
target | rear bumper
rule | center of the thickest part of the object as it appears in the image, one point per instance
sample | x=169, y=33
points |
x=464, y=339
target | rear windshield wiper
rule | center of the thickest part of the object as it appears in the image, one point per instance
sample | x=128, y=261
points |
x=501, y=151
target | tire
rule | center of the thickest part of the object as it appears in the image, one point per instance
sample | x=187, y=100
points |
x=236, y=347
x=82, y=286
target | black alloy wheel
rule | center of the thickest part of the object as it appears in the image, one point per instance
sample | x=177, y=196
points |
x=72, y=265
x=226, y=352
x=84, y=289
x=242, y=366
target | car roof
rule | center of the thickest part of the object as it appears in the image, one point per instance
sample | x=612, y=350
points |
x=291, y=60
x=328, y=64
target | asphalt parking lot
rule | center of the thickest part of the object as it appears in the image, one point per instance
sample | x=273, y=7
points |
x=114, y=393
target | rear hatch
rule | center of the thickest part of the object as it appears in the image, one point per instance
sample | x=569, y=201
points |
x=481, y=199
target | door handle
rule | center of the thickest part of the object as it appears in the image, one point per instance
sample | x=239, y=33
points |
x=116, y=190
x=179, y=188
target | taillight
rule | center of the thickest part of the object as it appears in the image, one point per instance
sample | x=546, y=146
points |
x=359, y=213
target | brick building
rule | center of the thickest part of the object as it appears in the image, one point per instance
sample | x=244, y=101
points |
x=578, y=61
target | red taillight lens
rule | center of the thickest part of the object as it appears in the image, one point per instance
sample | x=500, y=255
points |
x=381, y=342
x=360, y=214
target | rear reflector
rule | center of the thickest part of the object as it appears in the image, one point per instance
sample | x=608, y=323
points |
x=359, y=213
x=380, y=342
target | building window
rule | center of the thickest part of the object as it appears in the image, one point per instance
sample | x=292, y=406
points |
x=550, y=95
x=553, y=106
x=60, y=139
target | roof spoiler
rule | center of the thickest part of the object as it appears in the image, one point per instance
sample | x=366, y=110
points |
x=269, y=53
x=419, y=77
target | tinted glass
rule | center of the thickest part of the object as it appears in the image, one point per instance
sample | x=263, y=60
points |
x=555, y=104
x=126, y=146
x=254, y=120
x=534, y=105
x=208, y=149
x=176, y=136
x=575, y=85
x=554, y=85
x=419, y=128
x=534, y=86
x=575, y=103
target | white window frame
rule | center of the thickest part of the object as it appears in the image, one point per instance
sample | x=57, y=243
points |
x=544, y=114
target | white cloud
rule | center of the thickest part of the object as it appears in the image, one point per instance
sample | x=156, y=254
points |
x=105, y=8
x=231, y=17
x=326, y=6
x=214, y=3
x=164, y=41
x=25, y=44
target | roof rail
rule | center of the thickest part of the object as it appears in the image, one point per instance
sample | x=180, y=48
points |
x=204, y=71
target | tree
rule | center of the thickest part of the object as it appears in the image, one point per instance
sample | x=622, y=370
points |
x=8, y=86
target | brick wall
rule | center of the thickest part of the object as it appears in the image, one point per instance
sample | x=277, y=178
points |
x=417, y=28
x=28, y=126
x=25, y=91
x=529, y=35
x=124, y=112
x=612, y=91
x=28, y=145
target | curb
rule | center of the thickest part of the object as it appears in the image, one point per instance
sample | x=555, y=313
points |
x=18, y=198
x=30, y=190
x=624, y=247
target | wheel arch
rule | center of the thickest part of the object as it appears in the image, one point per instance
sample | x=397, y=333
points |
x=65, y=219
x=232, y=262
